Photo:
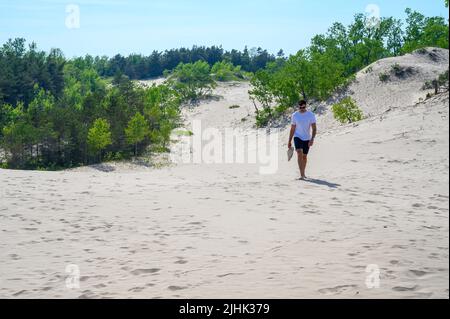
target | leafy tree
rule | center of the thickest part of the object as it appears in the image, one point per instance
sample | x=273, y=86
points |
x=99, y=136
x=326, y=75
x=395, y=36
x=193, y=81
x=161, y=102
x=137, y=130
x=424, y=31
x=161, y=108
x=306, y=75
x=293, y=80
x=162, y=135
x=17, y=137
x=261, y=89
x=347, y=111
x=225, y=71
x=6, y=115
x=263, y=117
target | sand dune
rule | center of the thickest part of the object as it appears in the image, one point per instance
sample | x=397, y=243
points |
x=379, y=195
x=375, y=97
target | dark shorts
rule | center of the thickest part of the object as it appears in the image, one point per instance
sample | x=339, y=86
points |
x=301, y=145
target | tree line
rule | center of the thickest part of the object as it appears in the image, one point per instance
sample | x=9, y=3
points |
x=137, y=66
x=332, y=59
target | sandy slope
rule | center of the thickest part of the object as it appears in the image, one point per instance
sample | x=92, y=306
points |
x=374, y=96
x=379, y=196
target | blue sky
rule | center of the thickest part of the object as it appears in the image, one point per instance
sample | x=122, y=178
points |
x=108, y=27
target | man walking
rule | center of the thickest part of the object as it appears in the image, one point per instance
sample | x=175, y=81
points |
x=303, y=121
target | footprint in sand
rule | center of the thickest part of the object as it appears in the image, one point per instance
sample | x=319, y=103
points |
x=14, y=256
x=418, y=273
x=136, y=289
x=99, y=286
x=403, y=289
x=87, y=294
x=337, y=289
x=19, y=293
x=181, y=261
x=176, y=288
x=433, y=256
x=230, y=274
x=138, y=272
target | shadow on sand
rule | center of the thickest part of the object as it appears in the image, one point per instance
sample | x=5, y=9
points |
x=322, y=183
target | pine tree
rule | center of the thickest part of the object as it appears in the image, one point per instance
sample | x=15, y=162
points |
x=99, y=137
x=137, y=130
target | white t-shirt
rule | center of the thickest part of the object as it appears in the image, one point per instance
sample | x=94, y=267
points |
x=303, y=122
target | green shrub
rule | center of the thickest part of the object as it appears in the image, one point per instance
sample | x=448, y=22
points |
x=422, y=51
x=192, y=81
x=384, y=77
x=183, y=133
x=428, y=85
x=397, y=69
x=347, y=111
x=114, y=157
x=225, y=71
x=443, y=78
x=263, y=117
x=401, y=71
x=159, y=149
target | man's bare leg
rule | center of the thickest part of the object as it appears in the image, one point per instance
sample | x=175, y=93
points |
x=303, y=166
x=301, y=163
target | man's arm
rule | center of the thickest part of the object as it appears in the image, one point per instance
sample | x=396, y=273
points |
x=291, y=135
x=314, y=133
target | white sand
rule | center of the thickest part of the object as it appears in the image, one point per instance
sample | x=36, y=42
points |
x=381, y=196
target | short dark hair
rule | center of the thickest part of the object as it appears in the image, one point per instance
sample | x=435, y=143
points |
x=302, y=103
